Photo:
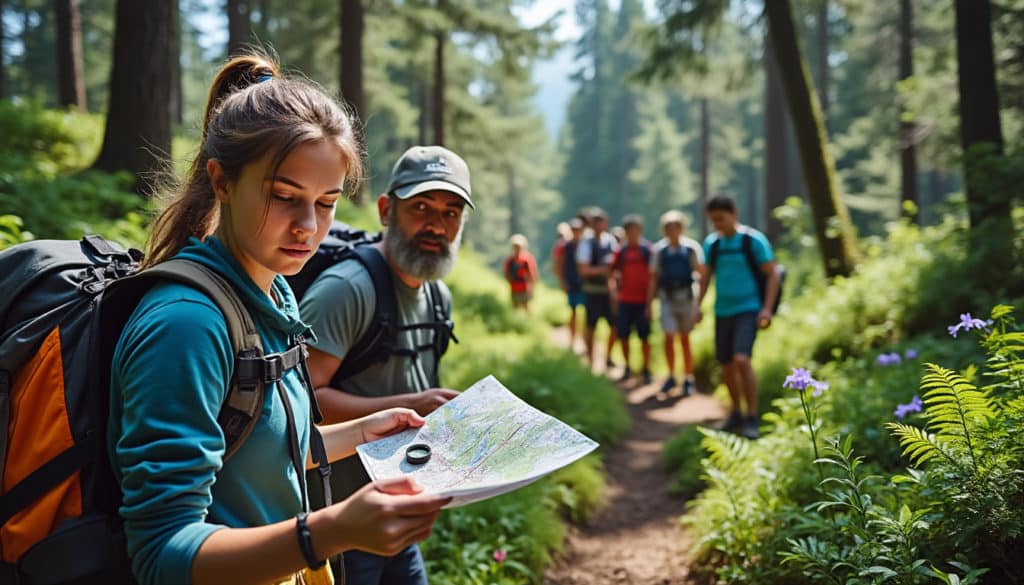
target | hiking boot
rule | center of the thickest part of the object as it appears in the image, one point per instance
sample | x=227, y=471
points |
x=647, y=377
x=626, y=374
x=734, y=422
x=609, y=364
x=752, y=427
x=689, y=387
x=669, y=384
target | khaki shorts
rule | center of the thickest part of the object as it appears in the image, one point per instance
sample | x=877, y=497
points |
x=677, y=311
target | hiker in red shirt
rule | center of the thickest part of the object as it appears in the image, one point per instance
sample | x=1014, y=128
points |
x=632, y=268
x=521, y=272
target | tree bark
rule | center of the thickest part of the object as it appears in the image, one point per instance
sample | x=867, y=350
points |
x=831, y=219
x=423, y=95
x=70, y=77
x=908, y=155
x=239, y=25
x=351, y=75
x=439, y=105
x=979, y=106
x=513, y=202
x=177, y=105
x=823, y=69
x=705, y=166
x=137, y=136
x=776, y=149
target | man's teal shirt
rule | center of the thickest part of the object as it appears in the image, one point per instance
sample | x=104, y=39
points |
x=736, y=288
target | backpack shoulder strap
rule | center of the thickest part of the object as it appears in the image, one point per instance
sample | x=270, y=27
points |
x=240, y=411
x=713, y=253
x=445, y=333
x=748, y=252
x=376, y=342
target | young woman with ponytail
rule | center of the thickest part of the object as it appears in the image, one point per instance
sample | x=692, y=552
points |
x=260, y=195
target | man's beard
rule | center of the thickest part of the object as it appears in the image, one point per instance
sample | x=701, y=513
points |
x=417, y=263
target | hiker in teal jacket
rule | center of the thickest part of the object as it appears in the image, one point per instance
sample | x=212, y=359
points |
x=259, y=199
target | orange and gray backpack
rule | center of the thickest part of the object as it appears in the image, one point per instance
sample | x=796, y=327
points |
x=62, y=307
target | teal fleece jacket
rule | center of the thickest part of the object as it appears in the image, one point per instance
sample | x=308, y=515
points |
x=170, y=375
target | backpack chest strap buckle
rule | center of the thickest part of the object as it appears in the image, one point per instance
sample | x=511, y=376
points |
x=269, y=368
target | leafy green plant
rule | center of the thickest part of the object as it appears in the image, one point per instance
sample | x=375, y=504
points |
x=683, y=455
x=970, y=454
x=11, y=232
x=868, y=543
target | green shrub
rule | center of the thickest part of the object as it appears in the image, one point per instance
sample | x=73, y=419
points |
x=11, y=232
x=41, y=183
x=772, y=512
x=523, y=525
x=683, y=456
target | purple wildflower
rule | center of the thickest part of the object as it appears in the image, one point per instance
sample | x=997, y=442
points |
x=819, y=387
x=967, y=322
x=801, y=380
x=888, y=359
x=500, y=555
x=915, y=405
x=910, y=354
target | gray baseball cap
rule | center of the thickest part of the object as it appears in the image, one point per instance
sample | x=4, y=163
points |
x=430, y=168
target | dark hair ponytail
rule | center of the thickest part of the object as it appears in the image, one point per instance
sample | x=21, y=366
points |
x=251, y=110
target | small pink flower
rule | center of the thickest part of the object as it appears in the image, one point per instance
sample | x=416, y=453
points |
x=499, y=555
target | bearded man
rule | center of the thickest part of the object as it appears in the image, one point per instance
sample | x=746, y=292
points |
x=422, y=215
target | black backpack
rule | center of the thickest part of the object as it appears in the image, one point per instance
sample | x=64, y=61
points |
x=380, y=340
x=675, y=273
x=598, y=253
x=61, y=314
x=747, y=248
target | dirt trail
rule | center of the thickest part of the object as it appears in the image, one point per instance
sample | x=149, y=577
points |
x=636, y=539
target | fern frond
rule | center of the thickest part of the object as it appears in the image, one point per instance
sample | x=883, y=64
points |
x=725, y=450
x=919, y=445
x=955, y=407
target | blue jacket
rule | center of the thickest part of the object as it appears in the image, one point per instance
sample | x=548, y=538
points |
x=170, y=375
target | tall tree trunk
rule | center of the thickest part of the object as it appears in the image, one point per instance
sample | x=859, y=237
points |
x=239, y=25
x=423, y=93
x=177, y=105
x=776, y=149
x=70, y=78
x=979, y=106
x=908, y=154
x=823, y=69
x=513, y=202
x=137, y=136
x=439, y=105
x=351, y=75
x=705, y=166
x=831, y=218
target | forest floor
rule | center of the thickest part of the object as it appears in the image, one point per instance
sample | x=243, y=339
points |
x=636, y=538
